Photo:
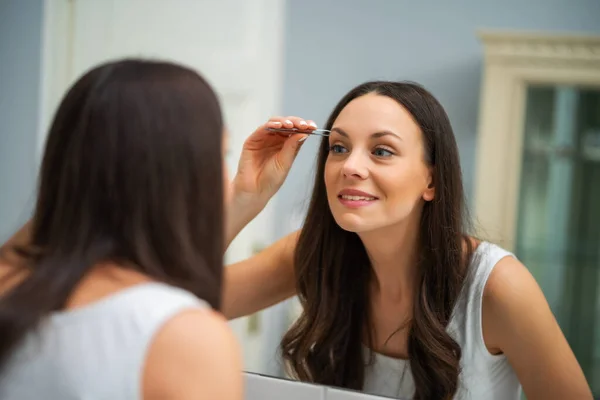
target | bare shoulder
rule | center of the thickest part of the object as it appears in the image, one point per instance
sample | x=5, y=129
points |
x=511, y=281
x=511, y=290
x=518, y=322
x=194, y=356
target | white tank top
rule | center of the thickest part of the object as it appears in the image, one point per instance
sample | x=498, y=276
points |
x=483, y=376
x=95, y=352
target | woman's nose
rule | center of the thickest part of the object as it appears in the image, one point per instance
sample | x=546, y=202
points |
x=355, y=167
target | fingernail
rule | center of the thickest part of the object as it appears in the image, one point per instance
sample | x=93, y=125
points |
x=303, y=139
x=303, y=123
x=276, y=123
x=287, y=121
x=313, y=124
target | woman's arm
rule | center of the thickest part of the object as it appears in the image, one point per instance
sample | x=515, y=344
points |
x=266, y=159
x=20, y=238
x=518, y=322
x=260, y=281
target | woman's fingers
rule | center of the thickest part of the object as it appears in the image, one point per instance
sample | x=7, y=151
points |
x=290, y=150
x=291, y=122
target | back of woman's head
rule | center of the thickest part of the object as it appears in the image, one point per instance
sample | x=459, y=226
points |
x=333, y=268
x=132, y=175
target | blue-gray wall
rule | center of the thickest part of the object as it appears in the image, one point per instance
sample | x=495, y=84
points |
x=333, y=45
x=20, y=66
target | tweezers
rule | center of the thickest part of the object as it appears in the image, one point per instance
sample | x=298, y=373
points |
x=318, y=132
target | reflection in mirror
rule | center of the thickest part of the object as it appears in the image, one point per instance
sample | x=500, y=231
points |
x=377, y=249
x=390, y=284
x=359, y=328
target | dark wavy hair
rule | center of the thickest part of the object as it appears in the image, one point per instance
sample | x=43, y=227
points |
x=131, y=174
x=333, y=270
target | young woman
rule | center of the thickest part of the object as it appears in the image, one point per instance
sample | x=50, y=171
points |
x=397, y=299
x=108, y=292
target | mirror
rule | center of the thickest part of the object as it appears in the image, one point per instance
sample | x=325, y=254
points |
x=464, y=81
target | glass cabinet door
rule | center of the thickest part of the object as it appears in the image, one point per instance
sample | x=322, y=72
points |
x=558, y=227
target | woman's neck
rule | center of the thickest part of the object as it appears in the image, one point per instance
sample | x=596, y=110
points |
x=394, y=256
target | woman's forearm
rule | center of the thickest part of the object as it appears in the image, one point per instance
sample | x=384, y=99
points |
x=239, y=211
x=261, y=281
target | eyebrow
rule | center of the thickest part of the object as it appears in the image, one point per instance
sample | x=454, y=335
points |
x=374, y=135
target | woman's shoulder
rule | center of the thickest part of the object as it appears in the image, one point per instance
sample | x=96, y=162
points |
x=486, y=256
x=508, y=289
x=507, y=278
x=487, y=262
x=199, y=354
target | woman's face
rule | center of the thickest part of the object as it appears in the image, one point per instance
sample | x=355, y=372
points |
x=375, y=173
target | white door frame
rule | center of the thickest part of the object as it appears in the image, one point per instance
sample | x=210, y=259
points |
x=514, y=60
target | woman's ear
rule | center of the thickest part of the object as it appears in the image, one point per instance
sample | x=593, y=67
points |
x=429, y=193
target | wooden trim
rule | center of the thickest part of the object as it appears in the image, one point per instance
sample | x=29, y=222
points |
x=513, y=61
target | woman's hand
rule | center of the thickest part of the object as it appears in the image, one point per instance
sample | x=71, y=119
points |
x=265, y=162
x=267, y=158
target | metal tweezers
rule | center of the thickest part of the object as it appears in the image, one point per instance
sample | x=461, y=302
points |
x=318, y=132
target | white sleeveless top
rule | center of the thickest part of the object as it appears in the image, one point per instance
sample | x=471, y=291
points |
x=95, y=352
x=483, y=376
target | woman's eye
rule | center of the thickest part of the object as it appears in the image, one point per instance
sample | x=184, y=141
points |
x=381, y=152
x=337, y=149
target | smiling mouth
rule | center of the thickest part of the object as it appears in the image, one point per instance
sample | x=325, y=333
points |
x=356, y=201
x=356, y=198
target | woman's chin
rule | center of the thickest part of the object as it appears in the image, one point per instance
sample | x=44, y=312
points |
x=351, y=223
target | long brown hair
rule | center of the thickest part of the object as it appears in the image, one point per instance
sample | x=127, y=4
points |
x=131, y=174
x=333, y=270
